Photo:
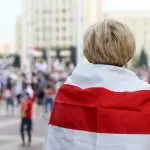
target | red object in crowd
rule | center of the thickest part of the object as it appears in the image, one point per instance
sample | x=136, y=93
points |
x=26, y=109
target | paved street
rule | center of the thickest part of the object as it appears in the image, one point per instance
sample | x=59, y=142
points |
x=9, y=132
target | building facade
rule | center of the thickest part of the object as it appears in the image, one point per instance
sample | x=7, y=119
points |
x=35, y=29
x=53, y=24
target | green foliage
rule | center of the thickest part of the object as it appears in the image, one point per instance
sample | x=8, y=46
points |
x=143, y=59
x=17, y=62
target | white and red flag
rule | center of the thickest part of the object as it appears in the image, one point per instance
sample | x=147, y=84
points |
x=100, y=107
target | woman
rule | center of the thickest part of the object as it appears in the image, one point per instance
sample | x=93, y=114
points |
x=26, y=118
x=102, y=105
x=8, y=94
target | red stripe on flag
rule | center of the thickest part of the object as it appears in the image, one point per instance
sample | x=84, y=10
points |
x=102, y=111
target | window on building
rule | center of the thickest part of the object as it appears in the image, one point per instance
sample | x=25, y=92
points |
x=37, y=29
x=37, y=11
x=44, y=12
x=44, y=38
x=57, y=29
x=64, y=38
x=57, y=20
x=44, y=20
x=64, y=19
x=57, y=10
x=57, y=38
x=64, y=10
x=64, y=29
x=49, y=38
x=71, y=38
x=82, y=19
x=37, y=39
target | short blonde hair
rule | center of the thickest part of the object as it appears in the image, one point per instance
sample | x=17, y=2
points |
x=109, y=42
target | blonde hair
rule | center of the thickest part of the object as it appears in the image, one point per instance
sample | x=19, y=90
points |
x=109, y=42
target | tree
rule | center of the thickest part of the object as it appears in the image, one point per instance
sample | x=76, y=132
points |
x=16, y=62
x=143, y=59
x=44, y=55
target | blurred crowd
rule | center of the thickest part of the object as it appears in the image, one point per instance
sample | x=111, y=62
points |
x=41, y=85
x=143, y=73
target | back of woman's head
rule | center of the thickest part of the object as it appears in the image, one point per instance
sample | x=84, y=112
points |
x=109, y=42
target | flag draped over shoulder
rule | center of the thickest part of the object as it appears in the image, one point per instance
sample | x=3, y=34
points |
x=100, y=107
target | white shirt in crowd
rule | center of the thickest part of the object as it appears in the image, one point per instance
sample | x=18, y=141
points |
x=30, y=91
x=18, y=89
x=7, y=93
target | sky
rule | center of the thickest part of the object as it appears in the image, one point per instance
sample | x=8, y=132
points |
x=117, y=5
x=9, y=9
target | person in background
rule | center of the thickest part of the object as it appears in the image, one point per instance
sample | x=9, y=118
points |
x=26, y=118
x=40, y=97
x=33, y=97
x=34, y=83
x=24, y=86
x=18, y=91
x=1, y=91
x=30, y=91
x=48, y=102
x=70, y=67
x=39, y=101
x=9, y=100
x=9, y=83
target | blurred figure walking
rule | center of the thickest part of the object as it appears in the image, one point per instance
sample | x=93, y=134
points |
x=9, y=101
x=26, y=118
x=48, y=102
x=40, y=99
x=18, y=91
